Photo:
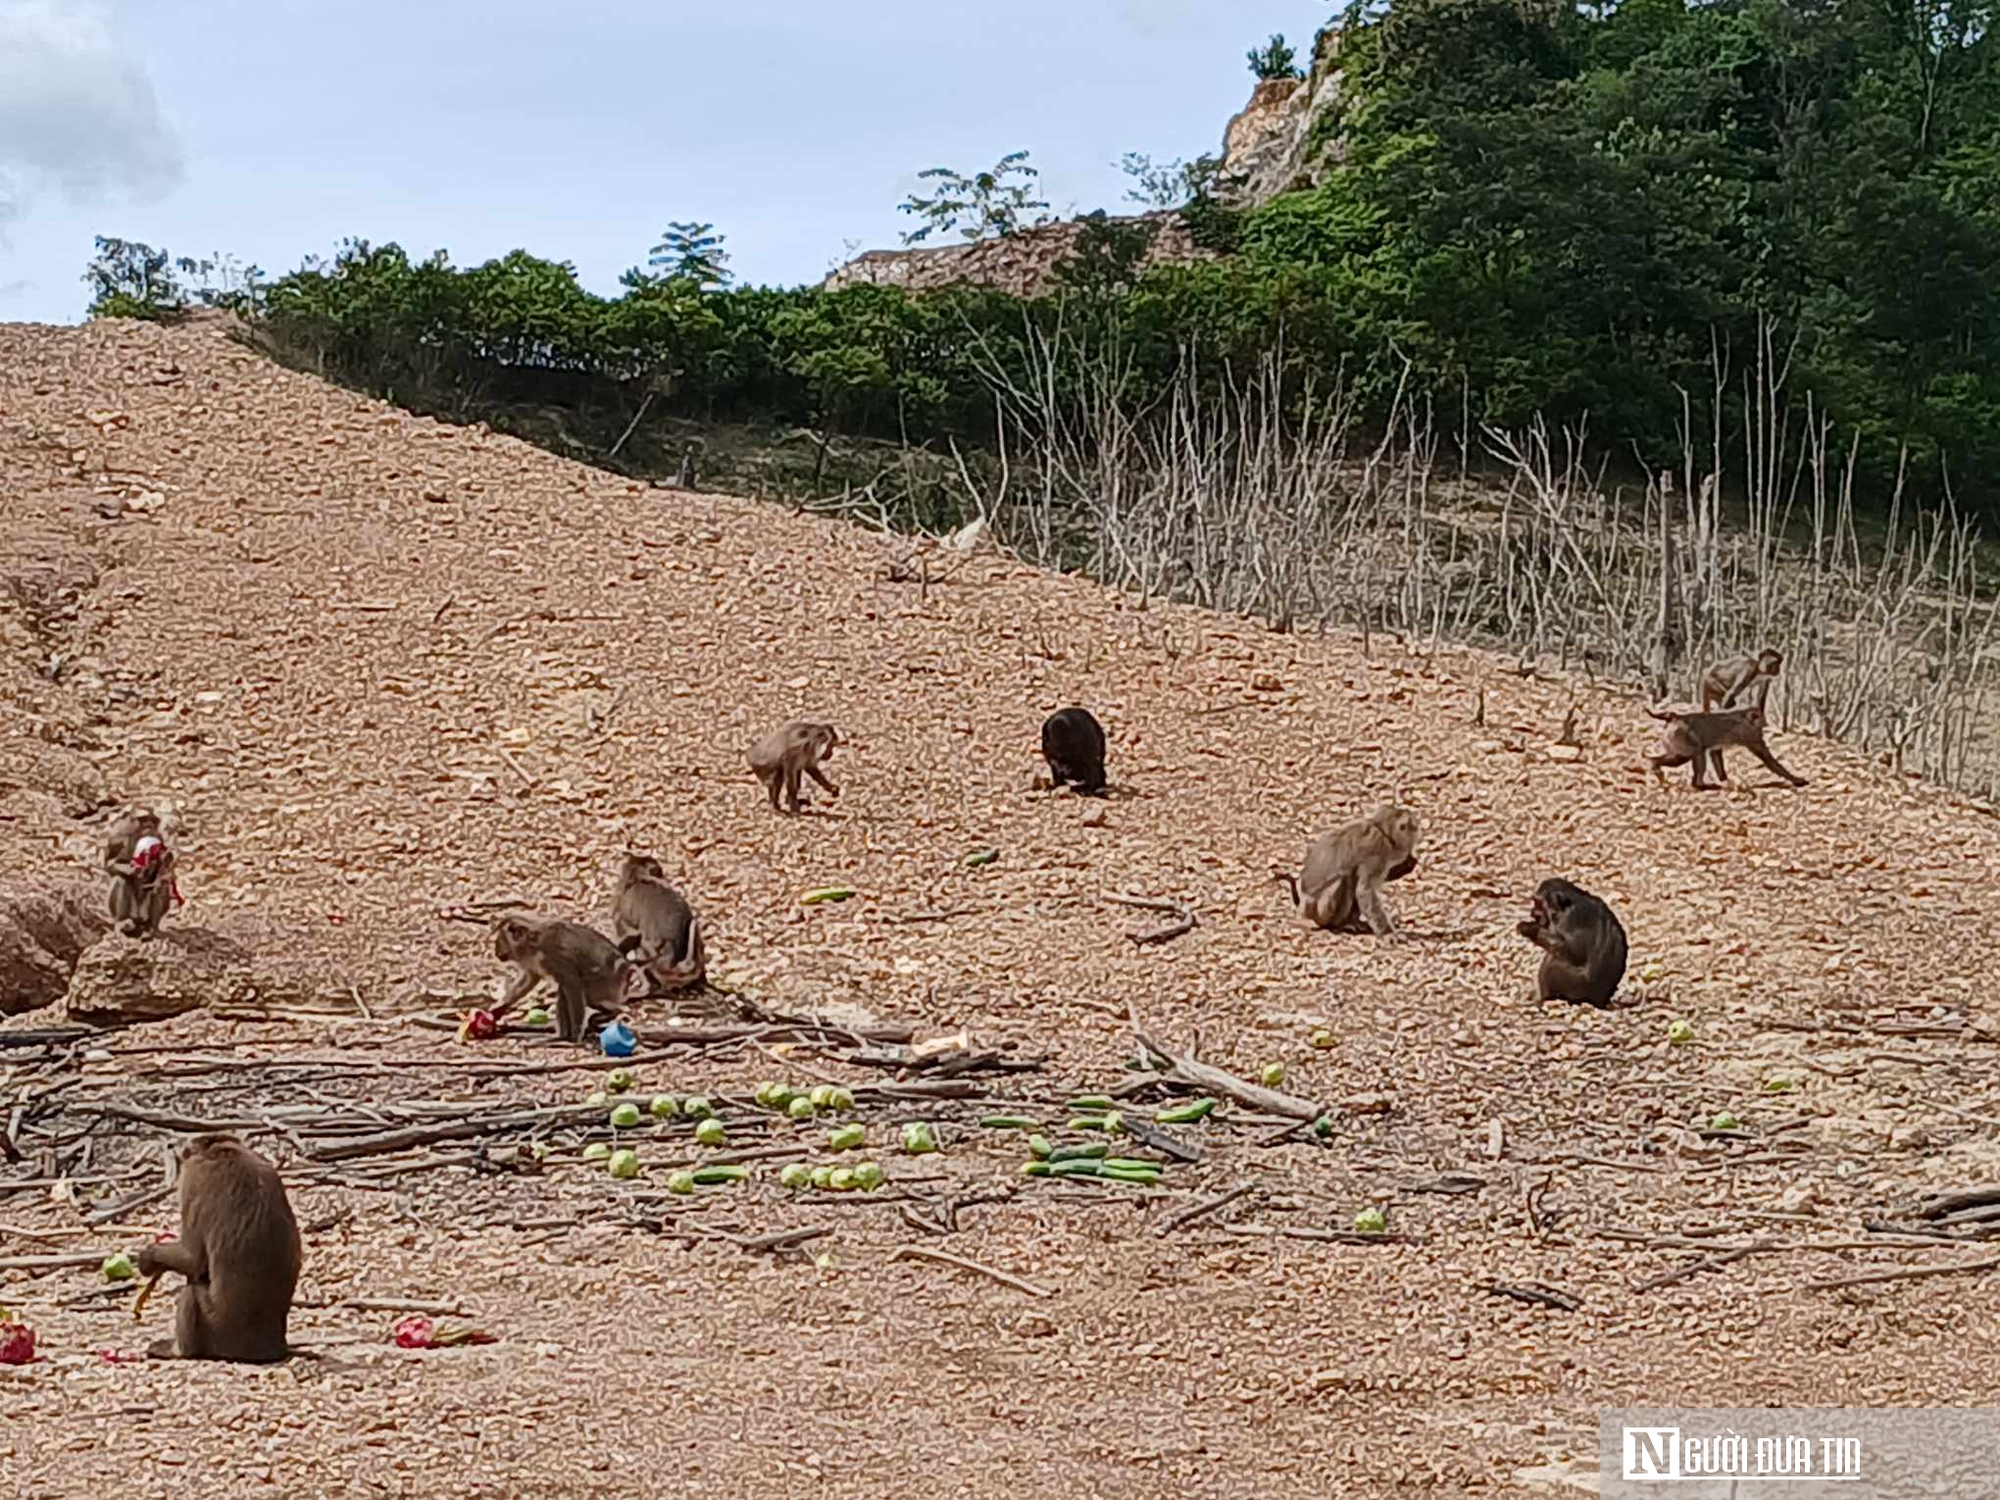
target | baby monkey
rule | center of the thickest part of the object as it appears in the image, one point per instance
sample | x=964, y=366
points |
x=240, y=1252
x=655, y=927
x=588, y=971
x=1698, y=738
x=141, y=867
x=1340, y=887
x=1073, y=745
x=790, y=752
x=1582, y=943
x=1740, y=680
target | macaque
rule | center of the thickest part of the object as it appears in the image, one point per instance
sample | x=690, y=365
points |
x=239, y=1251
x=588, y=971
x=1340, y=888
x=655, y=927
x=1583, y=944
x=1073, y=745
x=1740, y=680
x=1698, y=738
x=789, y=752
x=141, y=867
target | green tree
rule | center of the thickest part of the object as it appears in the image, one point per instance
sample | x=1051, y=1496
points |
x=1275, y=59
x=692, y=252
x=982, y=206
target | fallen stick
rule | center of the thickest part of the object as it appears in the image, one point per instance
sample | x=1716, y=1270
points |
x=1167, y=934
x=49, y=1262
x=920, y=1252
x=1533, y=1296
x=1940, y=1204
x=785, y=1239
x=1713, y=1263
x=1909, y=1273
x=1206, y=1206
x=1325, y=1236
x=163, y=1120
x=401, y=1304
x=1215, y=1080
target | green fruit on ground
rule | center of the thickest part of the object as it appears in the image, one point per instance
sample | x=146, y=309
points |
x=665, y=1106
x=597, y=1100
x=868, y=1176
x=1370, y=1221
x=801, y=1108
x=822, y=1177
x=1323, y=1039
x=536, y=1017
x=596, y=1151
x=710, y=1133
x=1679, y=1031
x=625, y=1117
x=1778, y=1083
x=118, y=1267
x=619, y=1081
x=1723, y=1121
x=846, y=1138
x=918, y=1138
x=842, y=1099
x=1323, y=1126
x=841, y=1180
x=797, y=1175
x=624, y=1164
x=697, y=1107
x=822, y=1096
x=1273, y=1075
x=680, y=1182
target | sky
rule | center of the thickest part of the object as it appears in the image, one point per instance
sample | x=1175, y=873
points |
x=578, y=130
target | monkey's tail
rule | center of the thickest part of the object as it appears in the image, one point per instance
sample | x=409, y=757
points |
x=694, y=963
x=1290, y=882
x=1667, y=715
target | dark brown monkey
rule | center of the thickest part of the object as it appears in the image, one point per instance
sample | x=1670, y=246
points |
x=141, y=867
x=587, y=969
x=1698, y=738
x=789, y=752
x=1073, y=745
x=238, y=1249
x=1340, y=887
x=1583, y=944
x=1740, y=680
x=655, y=927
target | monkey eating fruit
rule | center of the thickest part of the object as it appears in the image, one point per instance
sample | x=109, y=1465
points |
x=1340, y=887
x=1073, y=745
x=655, y=927
x=1583, y=943
x=141, y=866
x=239, y=1251
x=588, y=971
x=790, y=752
x=1698, y=738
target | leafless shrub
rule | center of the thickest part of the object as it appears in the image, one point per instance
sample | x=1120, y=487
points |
x=1265, y=500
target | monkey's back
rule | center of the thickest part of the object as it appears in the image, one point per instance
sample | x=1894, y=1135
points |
x=1606, y=965
x=1073, y=744
x=233, y=1206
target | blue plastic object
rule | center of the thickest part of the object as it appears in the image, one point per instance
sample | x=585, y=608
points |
x=617, y=1040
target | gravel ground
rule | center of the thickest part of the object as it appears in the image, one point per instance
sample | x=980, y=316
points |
x=375, y=666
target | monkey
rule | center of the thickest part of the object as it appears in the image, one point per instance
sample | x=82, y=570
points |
x=789, y=752
x=239, y=1251
x=141, y=866
x=588, y=971
x=655, y=927
x=1699, y=737
x=1345, y=871
x=1740, y=680
x=1582, y=940
x=1073, y=745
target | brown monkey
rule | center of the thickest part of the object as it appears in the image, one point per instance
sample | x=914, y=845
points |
x=1699, y=737
x=1740, y=680
x=655, y=927
x=589, y=973
x=238, y=1249
x=141, y=866
x=1073, y=745
x=789, y=752
x=1345, y=871
x=1582, y=940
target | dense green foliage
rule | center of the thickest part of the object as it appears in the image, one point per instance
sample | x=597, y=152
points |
x=1580, y=215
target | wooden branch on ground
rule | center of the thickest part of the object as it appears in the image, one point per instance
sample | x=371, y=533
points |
x=921, y=1252
x=1205, y=1207
x=1940, y=1204
x=1906, y=1273
x=1215, y=1080
x=1713, y=1263
x=1184, y=919
x=1534, y=1296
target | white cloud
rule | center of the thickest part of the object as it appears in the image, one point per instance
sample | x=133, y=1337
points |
x=77, y=112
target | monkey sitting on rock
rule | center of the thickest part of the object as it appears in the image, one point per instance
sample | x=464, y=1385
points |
x=141, y=866
x=1582, y=943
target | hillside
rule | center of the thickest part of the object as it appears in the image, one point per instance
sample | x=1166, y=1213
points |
x=376, y=666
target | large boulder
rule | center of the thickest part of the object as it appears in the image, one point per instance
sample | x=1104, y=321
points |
x=178, y=970
x=44, y=930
